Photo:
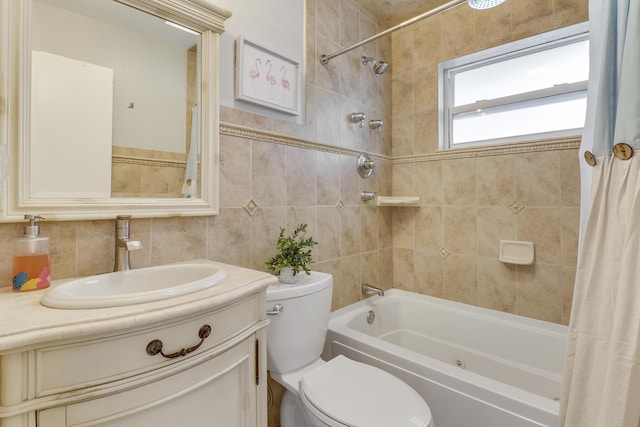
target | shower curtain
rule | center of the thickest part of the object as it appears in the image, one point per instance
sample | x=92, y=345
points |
x=602, y=371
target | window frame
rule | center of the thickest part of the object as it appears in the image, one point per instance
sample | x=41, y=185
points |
x=446, y=90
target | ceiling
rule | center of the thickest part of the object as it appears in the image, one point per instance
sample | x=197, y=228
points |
x=392, y=12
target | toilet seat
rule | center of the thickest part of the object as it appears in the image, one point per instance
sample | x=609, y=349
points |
x=343, y=392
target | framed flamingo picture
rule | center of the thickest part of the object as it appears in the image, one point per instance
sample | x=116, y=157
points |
x=266, y=78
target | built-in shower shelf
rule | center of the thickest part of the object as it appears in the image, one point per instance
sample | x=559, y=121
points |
x=407, y=201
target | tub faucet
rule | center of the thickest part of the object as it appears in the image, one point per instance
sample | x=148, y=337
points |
x=372, y=290
x=124, y=244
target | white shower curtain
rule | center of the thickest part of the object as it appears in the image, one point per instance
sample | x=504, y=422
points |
x=602, y=372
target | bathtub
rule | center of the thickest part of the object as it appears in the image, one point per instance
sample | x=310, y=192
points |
x=474, y=367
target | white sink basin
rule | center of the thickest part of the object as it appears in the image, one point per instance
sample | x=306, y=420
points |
x=135, y=286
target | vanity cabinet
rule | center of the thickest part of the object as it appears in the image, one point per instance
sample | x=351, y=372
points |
x=206, y=369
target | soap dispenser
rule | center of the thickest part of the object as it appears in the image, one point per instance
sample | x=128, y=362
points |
x=31, y=266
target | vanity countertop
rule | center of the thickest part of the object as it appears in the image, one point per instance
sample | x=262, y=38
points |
x=26, y=322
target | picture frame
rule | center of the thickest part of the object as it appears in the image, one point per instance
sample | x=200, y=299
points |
x=266, y=78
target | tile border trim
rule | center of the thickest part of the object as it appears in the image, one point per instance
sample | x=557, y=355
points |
x=564, y=143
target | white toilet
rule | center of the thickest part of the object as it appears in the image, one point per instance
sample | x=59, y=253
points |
x=337, y=393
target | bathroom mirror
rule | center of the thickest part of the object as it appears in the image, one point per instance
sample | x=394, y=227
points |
x=115, y=110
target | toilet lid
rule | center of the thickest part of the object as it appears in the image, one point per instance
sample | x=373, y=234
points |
x=356, y=394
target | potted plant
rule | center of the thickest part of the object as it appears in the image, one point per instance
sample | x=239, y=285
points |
x=294, y=255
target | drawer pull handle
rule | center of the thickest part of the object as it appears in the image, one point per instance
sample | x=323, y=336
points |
x=154, y=347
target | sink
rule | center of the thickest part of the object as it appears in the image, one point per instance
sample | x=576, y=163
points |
x=135, y=286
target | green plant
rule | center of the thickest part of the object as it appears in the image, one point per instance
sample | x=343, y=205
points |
x=294, y=251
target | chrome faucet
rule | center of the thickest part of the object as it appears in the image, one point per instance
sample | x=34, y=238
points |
x=372, y=290
x=124, y=244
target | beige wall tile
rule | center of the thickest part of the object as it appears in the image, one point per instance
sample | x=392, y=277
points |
x=495, y=223
x=568, y=12
x=268, y=174
x=404, y=227
x=531, y=17
x=425, y=132
x=328, y=178
x=229, y=237
x=542, y=227
x=349, y=24
x=265, y=228
x=385, y=268
x=403, y=180
x=328, y=233
x=178, y=239
x=459, y=182
x=368, y=228
x=385, y=228
x=493, y=26
x=301, y=176
x=350, y=231
x=538, y=179
x=369, y=266
x=62, y=247
x=403, y=271
x=495, y=178
x=460, y=230
x=96, y=247
x=427, y=42
x=428, y=272
x=458, y=32
x=329, y=28
x=570, y=177
x=539, y=293
x=496, y=285
x=349, y=181
x=429, y=228
x=350, y=273
x=333, y=268
x=235, y=171
x=460, y=279
x=428, y=178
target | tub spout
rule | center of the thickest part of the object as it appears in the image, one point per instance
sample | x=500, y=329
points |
x=372, y=290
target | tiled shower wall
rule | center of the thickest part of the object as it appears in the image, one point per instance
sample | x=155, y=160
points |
x=449, y=246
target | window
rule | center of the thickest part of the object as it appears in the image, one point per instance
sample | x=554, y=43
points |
x=530, y=89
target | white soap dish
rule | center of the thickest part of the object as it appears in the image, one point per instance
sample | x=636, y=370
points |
x=516, y=252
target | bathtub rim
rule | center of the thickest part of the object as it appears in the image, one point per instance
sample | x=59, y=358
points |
x=480, y=385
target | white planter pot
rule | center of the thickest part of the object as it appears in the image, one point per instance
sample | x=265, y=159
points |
x=286, y=276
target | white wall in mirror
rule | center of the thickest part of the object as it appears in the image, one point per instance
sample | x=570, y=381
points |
x=16, y=36
x=150, y=69
x=278, y=25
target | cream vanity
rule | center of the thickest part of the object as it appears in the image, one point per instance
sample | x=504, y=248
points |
x=198, y=359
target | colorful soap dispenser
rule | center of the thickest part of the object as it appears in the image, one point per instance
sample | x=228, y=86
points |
x=31, y=266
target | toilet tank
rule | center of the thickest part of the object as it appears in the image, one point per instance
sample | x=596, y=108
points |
x=295, y=337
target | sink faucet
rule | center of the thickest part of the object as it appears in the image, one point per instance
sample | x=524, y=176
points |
x=124, y=244
x=372, y=290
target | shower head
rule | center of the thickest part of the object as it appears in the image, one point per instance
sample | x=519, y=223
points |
x=379, y=67
x=484, y=4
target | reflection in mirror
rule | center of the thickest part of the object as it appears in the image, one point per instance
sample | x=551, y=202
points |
x=114, y=94
x=125, y=108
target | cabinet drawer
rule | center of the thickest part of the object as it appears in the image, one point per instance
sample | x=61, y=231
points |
x=217, y=391
x=78, y=365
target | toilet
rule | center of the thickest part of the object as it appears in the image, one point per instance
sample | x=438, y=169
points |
x=336, y=393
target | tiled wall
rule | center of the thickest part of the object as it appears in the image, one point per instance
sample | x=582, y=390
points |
x=449, y=246
x=265, y=185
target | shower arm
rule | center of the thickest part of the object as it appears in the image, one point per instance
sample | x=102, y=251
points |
x=324, y=59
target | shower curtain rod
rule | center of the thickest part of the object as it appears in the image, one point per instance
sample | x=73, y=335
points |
x=324, y=59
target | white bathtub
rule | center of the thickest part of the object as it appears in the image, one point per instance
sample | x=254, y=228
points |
x=474, y=367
